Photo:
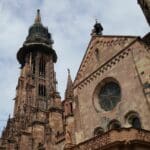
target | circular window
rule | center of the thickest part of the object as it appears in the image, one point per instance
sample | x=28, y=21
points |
x=109, y=95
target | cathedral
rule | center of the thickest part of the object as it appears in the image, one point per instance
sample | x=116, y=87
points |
x=106, y=107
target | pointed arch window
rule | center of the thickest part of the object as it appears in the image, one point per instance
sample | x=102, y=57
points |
x=97, y=54
x=42, y=90
x=32, y=61
x=33, y=65
x=71, y=108
x=42, y=65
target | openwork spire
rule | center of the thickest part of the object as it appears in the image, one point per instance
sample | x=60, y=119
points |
x=38, y=36
x=38, y=17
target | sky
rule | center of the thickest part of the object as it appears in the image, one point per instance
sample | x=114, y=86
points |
x=70, y=22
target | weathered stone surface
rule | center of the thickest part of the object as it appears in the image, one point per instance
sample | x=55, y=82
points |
x=41, y=121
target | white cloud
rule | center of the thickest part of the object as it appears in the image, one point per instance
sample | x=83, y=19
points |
x=70, y=23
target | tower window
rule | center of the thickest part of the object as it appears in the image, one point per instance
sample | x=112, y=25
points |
x=33, y=66
x=42, y=90
x=42, y=65
x=71, y=108
x=33, y=62
x=97, y=54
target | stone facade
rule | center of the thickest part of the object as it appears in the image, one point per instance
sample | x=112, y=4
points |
x=106, y=107
x=129, y=67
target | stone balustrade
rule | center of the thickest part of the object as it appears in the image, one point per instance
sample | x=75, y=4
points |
x=123, y=136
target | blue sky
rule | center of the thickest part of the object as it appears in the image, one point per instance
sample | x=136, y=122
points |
x=70, y=22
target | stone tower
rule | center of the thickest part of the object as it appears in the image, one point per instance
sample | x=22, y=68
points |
x=38, y=112
x=145, y=5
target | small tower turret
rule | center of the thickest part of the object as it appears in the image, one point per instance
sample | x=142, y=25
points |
x=97, y=30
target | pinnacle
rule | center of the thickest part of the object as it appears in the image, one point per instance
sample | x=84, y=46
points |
x=69, y=85
x=69, y=82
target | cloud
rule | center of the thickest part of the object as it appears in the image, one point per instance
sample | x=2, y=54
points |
x=70, y=23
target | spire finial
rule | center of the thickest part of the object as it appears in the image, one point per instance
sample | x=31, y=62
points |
x=38, y=17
